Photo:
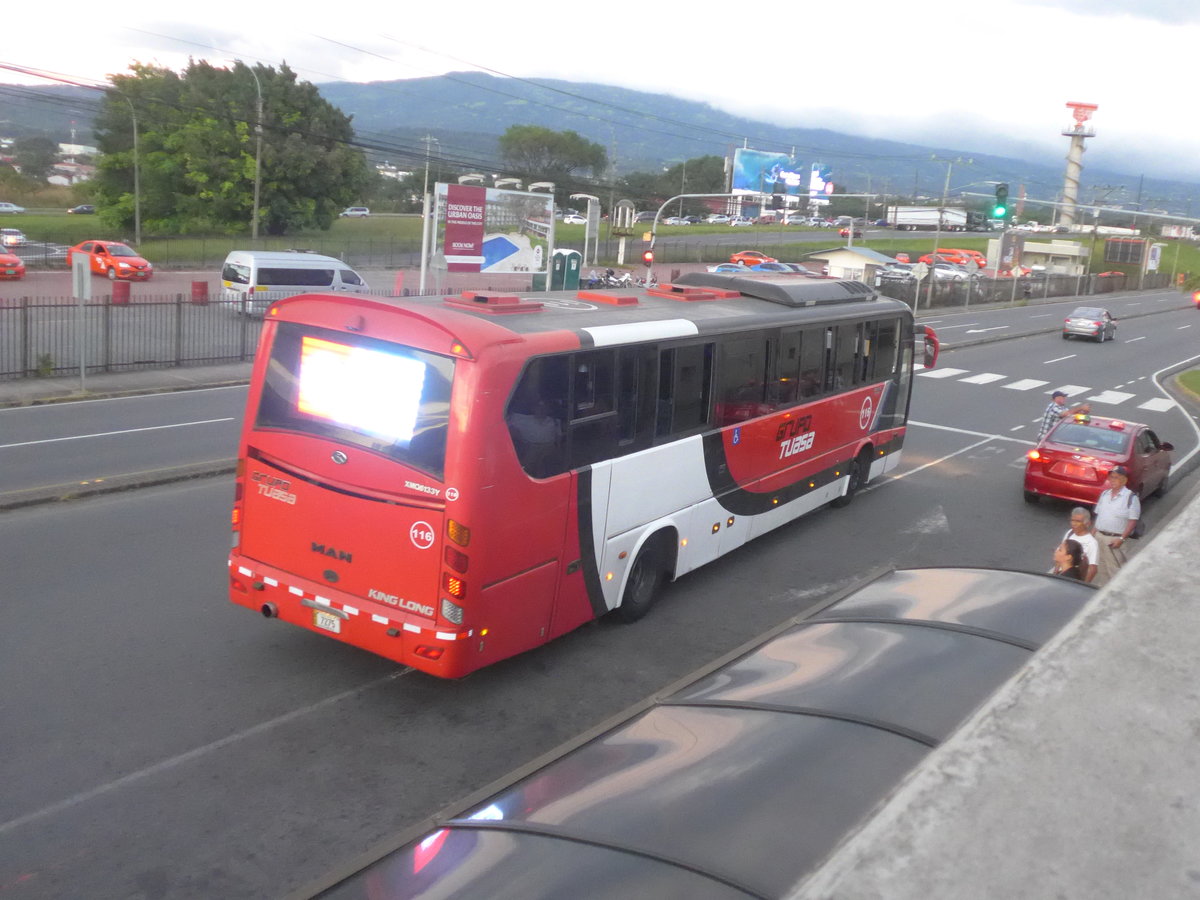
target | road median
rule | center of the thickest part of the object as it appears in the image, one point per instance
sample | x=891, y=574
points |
x=78, y=490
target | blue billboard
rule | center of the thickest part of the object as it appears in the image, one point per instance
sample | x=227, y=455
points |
x=760, y=172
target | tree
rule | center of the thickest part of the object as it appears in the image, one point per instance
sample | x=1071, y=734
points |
x=197, y=151
x=701, y=175
x=35, y=156
x=540, y=154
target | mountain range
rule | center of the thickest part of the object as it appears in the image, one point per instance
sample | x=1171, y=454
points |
x=460, y=116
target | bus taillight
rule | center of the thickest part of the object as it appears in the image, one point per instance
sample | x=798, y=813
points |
x=457, y=560
x=455, y=587
x=458, y=533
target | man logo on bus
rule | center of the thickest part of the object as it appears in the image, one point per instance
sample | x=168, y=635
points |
x=421, y=535
x=864, y=414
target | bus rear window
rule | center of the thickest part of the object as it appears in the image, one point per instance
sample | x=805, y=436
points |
x=384, y=397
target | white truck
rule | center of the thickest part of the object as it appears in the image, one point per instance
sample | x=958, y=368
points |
x=925, y=218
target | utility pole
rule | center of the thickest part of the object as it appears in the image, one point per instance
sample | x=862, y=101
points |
x=937, y=239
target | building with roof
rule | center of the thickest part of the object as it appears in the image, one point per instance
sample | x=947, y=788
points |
x=850, y=263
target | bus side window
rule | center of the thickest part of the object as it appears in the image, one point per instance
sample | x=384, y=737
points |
x=535, y=416
x=884, y=348
x=636, y=369
x=684, y=386
x=741, y=383
x=785, y=382
x=593, y=426
x=812, y=363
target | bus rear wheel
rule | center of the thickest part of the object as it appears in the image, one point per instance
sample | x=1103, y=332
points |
x=857, y=476
x=645, y=578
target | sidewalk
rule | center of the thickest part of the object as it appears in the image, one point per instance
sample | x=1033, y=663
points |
x=35, y=391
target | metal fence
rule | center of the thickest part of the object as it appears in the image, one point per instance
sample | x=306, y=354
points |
x=44, y=337
x=977, y=291
x=50, y=251
x=41, y=338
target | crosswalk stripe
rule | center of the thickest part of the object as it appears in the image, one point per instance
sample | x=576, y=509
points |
x=1025, y=384
x=1071, y=390
x=943, y=373
x=1111, y=397
x=1158, y=404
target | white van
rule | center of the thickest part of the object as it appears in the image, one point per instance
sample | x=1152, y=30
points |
x=258, y=277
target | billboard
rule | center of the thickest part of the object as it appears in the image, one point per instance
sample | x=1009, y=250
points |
x=482, y=229
x=759, y=172
x=819, y=180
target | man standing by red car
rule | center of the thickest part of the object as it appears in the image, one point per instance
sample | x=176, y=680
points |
x=1117, y=512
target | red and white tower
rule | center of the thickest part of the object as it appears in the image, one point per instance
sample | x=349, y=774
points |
x=1078, y=134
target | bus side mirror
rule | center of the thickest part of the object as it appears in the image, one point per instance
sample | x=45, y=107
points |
x=929, y=341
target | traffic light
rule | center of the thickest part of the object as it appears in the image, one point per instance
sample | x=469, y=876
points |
x=648, y=258
x=1000, y=210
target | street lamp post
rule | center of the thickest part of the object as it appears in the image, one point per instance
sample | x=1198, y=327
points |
x=258, y=129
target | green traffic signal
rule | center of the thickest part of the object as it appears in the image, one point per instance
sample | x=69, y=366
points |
x=1000, y=210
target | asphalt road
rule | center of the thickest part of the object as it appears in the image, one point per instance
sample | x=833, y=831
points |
x=162, y=742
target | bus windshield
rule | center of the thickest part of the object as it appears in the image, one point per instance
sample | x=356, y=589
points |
x=385, y=397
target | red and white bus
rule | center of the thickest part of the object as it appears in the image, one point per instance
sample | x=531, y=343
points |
x=448, y=482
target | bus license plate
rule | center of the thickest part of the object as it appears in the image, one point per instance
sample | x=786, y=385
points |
x=328, y=621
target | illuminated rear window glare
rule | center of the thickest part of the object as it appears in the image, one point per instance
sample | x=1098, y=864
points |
x=355, y=391
x=339, y=383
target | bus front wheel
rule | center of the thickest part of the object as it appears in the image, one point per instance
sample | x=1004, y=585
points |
x=645, y=578
x=857, y=477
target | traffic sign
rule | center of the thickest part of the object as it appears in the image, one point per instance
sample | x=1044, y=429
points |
x=920, y=270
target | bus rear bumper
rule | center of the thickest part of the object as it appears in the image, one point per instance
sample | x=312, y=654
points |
x=401, y=637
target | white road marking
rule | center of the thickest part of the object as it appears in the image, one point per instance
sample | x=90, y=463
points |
x=1131, y=340
x=1025, y=384
x=1111, y=397
x=1071, y=389
x=1059, y=359
x=943, y=373
x=969, y=433
x=948, y=327
x=1016, y=428
x=1181, y=327
x=982, y=330
x=985, y=378
x=1158, y=404
x=1042, y=316
x=81, y=437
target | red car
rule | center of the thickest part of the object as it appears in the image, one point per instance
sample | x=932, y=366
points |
x=11, y=266
x=1074, y=459
x=845, y=232
x=751, y=257
x=114, y=259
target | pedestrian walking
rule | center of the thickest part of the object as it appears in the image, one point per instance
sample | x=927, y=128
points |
x=1081, y=531
x=1117, y=513
x=1056, y=410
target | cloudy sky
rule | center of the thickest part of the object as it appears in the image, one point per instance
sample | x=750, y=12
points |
x=978, y=77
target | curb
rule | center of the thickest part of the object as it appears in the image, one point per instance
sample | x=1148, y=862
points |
x=58, y=493
x=74, y=395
